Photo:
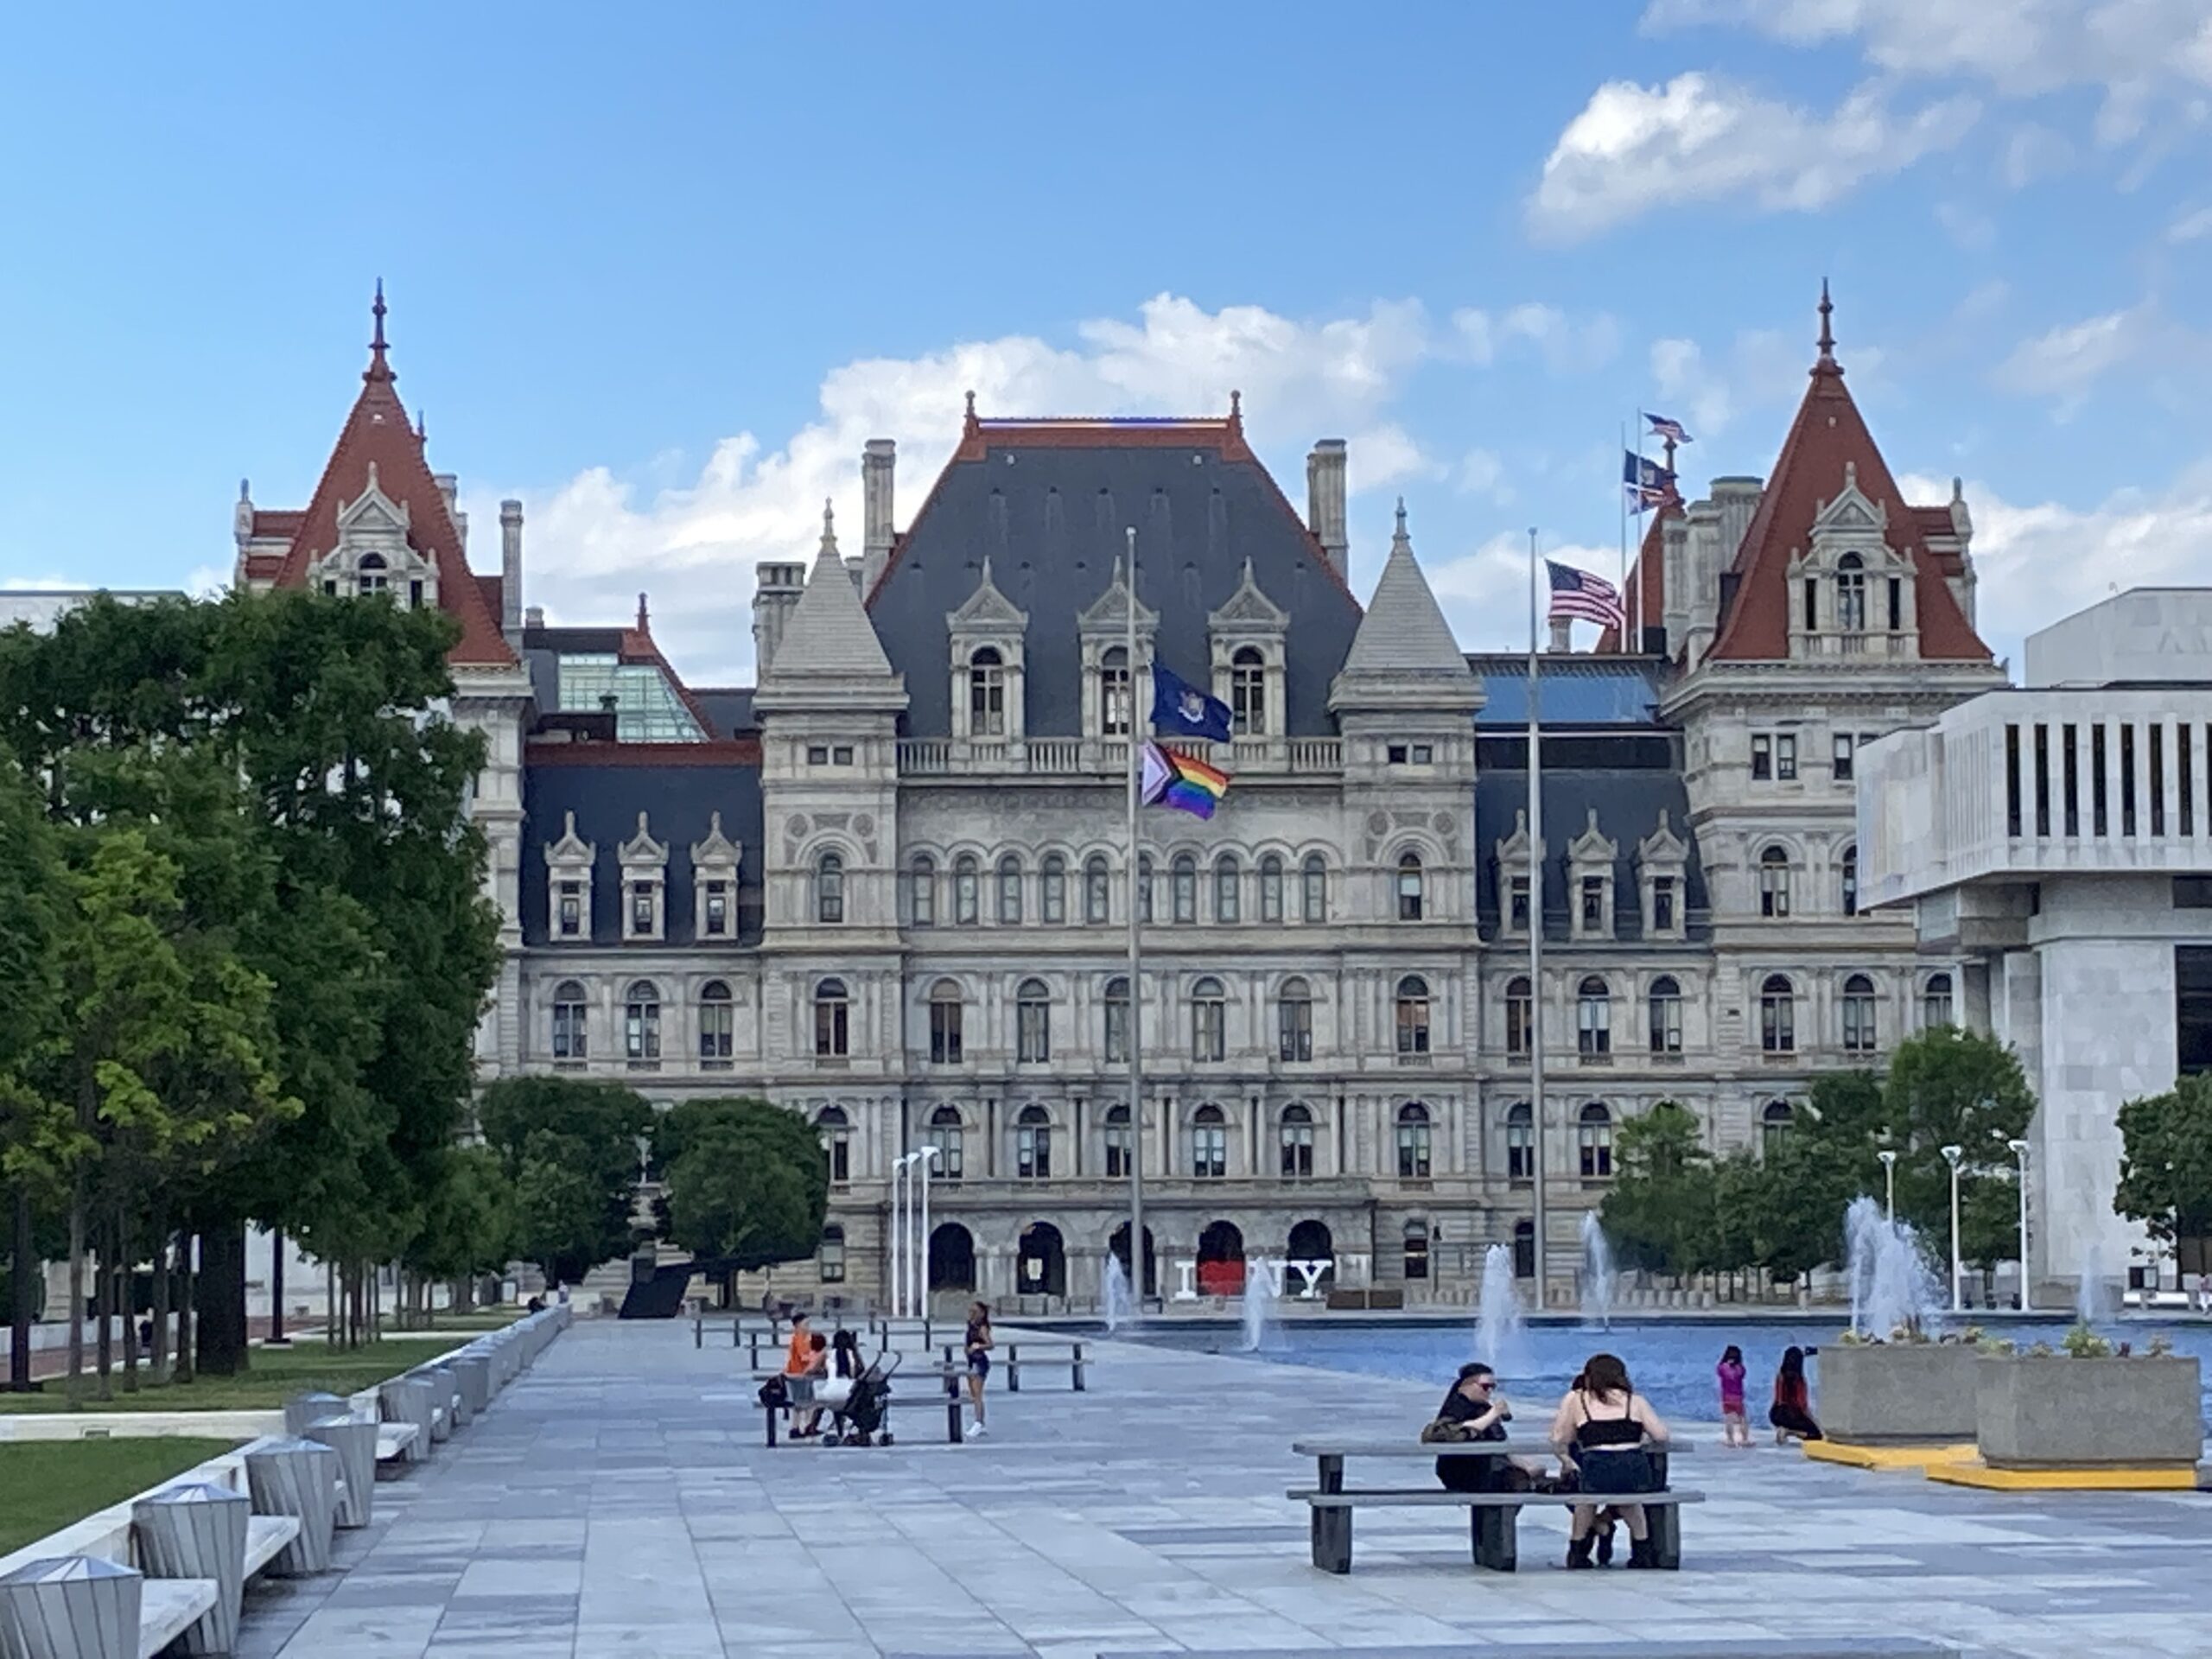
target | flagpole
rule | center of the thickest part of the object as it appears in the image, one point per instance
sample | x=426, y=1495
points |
x=1629, y=642
x=1136, y=964
x=1537, y=946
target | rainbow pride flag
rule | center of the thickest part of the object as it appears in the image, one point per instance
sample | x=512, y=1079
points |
x=1177, y=780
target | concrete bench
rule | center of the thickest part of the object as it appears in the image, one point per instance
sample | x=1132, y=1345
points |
x=951, y=1413
x=393, y=1440
x=167, y=1609
x=1494, y=1517
x=267, y=1536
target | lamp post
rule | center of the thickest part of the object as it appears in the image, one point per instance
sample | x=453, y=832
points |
x=898, y=1251
x=1951, y=1156
x=2019, y=1149
x=1889, y=1183
x=920, y=1254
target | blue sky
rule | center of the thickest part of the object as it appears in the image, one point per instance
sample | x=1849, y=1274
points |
x=659, y=278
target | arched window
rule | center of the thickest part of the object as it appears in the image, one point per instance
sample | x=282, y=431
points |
x=1032, y=1144
x=1850, y=594
x=1248, y=692
x=1209, y=1020
x=1117, y=1143
x=946, y=1019
x=1665, y=1003
x=1314, y=900
x=1936, y=1000
x=1417, y=1250
x=944, y=1133
x=1413, y=1016
x=1850, y=880
x=1117, y=1021
x=1144, y=889
x=571, y=1022
x=1271, y=888
x=837, y=1132
x=1594, y=1134
x=641, y=1022
x=1052, y=891
x=1228, y=882
x=1777, y=1015
x=1517, y=1018
x=830, y=1258
x=1413, y=1141
x=1009, y=891
x=1114, y=692
x=986, y=694
x=1859, y=1015
x=1409, y=887
x=1775, y=1123
x=1097, y=891
x=1295, y=1019
x=1774, y=882
x=717, y=1026
x=967, y=881
x=1209, y=1144
x=832, y=1015
x=1520, y=1144
x=1593, y=1019
x=830, y=889
x=1032, y=1023
x=1186, y=877
x=1296, y=1140
x=922, y=886
x=370, y=574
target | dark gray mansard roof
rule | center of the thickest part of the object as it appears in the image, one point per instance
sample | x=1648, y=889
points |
x=1628, y=803
x=607, y=797
x=1048, y=505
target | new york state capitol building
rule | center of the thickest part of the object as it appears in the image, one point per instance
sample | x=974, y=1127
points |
x=884, y=886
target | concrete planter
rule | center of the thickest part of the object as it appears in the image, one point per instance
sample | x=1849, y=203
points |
x=1885, y=1393
x=2087, y=1414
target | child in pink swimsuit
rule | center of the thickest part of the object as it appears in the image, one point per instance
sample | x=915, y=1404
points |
x=1735, y=1421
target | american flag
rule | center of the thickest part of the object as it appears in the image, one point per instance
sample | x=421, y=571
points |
x=1577, y=593
x=1663, y=427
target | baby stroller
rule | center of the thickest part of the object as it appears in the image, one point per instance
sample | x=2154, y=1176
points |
x=857, y=1419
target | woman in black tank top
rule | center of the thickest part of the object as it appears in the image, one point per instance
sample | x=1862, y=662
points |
x=1606, y=1425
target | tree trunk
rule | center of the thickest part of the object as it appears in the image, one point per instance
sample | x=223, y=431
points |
x=187, y=1292
x=76, y=1385
x=157, y=1354
x=332, y=1314
x=222, y=1300
x=24, y=1261
x=276, y=1284
x=103, y=1288
x=126, y=1269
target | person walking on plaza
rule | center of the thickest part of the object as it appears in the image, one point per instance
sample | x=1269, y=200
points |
x=1735, y=1419
x=978, y=1348
x=1792, y=1412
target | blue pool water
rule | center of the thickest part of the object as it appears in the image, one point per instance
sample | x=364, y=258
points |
x=1671, y=1362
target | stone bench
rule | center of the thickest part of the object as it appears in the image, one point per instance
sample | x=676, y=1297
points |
x=769, y=1413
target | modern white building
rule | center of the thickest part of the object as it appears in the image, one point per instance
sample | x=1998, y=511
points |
x=2054, y=840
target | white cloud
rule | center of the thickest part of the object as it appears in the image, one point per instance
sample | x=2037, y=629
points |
x=1481, y=472
x=592, y=543
x=2041, y=561
x=1485, y=594
x=1636, y=150
x=2065, y=362
x=2193, y=227
x=2032, y=152
x=1760, y=368
x=1966, y=227
x=1568, y=345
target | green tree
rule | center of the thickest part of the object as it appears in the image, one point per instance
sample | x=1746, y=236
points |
x=570, y=1147
x=747, y=1181
x=1949, y=1087
x=468, y=1223
x=2165, y=1161
x=1659, y=1213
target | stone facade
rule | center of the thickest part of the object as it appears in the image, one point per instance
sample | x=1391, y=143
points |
x=887, y=887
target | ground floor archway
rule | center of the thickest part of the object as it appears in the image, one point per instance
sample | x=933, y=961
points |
x=1310, y=1241
x=1119, y=1244
x=952, y=1257
x=1221, y=1259
x=1041, y=1263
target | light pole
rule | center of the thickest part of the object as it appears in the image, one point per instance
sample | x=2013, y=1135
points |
x=898, y=1251
x=2019, y=1149
x=921, y=1253
x=1951, y=1156
x=1889, y=1183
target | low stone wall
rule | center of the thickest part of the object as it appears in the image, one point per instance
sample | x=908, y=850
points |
x=2087, y=1414
x=1881, y=1394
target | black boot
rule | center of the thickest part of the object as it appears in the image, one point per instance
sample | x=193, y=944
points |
x=1642, y=1552
x=1605, y=1536
x=1578, y=1552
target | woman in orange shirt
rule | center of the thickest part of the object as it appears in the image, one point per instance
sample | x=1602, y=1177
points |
x=799, y=1358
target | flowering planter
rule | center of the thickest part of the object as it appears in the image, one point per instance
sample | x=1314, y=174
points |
x=2034, y=1413
x=1885, y=1393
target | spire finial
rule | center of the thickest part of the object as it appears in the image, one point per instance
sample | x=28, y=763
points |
x=971, y=409
x=1402, y=516
x=1236, y=408
x=422, y=424
x=644, y=626
x=378, y=369
x=1828, y=333
x=828, y=526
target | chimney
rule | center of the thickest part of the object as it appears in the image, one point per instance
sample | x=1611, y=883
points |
x=534, y=617
x=450, y=491
x=511, y=610
x=879, y=460
x=1325, y=501
x=1562, y=634
x=776, y=591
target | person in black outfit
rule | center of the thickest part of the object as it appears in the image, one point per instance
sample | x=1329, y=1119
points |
x=1609, y=1425
x=1791, y=1412
x=1474, y=1402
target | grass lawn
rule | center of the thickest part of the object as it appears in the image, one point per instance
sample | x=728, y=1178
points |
x=276, y=1376
x=48, y=1484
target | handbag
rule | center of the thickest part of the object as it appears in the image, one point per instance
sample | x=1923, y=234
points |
x=1442, y=1431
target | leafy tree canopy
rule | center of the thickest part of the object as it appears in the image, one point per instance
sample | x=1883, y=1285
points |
x=747, y=1181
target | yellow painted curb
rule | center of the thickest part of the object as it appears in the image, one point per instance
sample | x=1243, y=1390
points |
x=1912, y=1458
x=2064, y=1480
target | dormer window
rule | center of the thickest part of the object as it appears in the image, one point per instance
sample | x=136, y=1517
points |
x=1247, y=633
x=1248, y=692
x=571, y=910
x=1851, y=594
x=1663, y=859
x=1590, y=857
x=713, y=883
x=986, y=694
x=645, y=885
x=1114, y=693
x=567, y=876
x=371, y=575
x=986, y=634
x=1102, y=628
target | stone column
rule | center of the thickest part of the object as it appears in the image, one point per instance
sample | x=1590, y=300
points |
x=197, y=1530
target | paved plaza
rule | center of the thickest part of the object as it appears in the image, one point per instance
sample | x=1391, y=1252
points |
x=617, y=1500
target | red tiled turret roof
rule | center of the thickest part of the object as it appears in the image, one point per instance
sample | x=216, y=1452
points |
x=1827, y=437
x=378, y=436
x=1646, y=596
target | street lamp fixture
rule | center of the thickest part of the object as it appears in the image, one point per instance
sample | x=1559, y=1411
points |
x=1889, y=1183
x=1951, y=1156
x=920, y=1255
x=2019, y=1150
x=899, y=1247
